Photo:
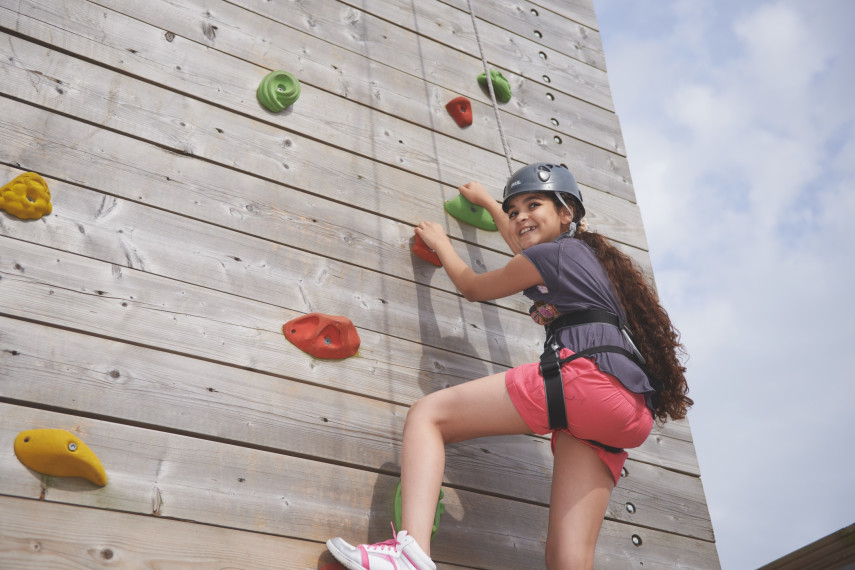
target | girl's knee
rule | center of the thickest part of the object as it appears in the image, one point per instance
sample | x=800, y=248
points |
x=423, y=411
x=428, y=412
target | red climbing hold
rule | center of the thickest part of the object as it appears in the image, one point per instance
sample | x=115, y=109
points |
x=323, y=336
x=461, y=110
x=421, y=249
x=333, y=566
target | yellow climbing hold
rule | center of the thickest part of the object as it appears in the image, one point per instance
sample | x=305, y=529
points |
x=60, y=453
x=26, y=196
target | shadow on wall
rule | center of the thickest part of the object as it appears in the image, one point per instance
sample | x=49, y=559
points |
x=428, y=328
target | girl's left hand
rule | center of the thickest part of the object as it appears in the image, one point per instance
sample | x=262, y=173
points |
x=432, y=234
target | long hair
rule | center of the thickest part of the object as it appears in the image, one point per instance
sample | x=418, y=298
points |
x=654, y=335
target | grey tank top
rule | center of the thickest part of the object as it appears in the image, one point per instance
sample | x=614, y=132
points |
x=574, y=280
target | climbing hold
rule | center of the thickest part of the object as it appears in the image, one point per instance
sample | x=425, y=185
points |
x=26, y=196
x=421, y=249
x=464, y=210
x=60, y=453
x=323, y=336
x=461, y=111
x=334, y=566
x=501, y=87
x=440, y=508
x=277, y=90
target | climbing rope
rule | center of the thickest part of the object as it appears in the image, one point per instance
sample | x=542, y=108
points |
x=489, y=77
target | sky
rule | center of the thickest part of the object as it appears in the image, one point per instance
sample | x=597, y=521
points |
x=739, y=122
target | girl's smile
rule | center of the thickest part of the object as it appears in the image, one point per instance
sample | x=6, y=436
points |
x=535, y=219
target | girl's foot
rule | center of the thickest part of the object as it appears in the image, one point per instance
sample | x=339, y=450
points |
x=401, y=552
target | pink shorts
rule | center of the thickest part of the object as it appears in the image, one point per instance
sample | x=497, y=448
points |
x=599, y=407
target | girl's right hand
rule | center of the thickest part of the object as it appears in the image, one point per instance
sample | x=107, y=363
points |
x=432, y=234
x=476, y=193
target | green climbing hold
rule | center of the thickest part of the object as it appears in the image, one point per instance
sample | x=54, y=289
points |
x=464, y=210
x=440, y=508
x=278, y=90
x=501, y=87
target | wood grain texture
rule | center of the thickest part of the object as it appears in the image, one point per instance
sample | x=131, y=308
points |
x=564, y=32
x=145, y=313
x=39, y=534
x=179, y=477
x=144, y=387
x=326, y=111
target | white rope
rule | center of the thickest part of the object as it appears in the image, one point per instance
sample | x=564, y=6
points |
x=489, y=77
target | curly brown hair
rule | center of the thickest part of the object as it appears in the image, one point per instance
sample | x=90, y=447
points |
x=654, y=335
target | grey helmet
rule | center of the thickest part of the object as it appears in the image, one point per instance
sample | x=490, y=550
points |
x=543, y=177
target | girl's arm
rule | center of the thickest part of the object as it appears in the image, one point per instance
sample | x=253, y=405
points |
x=478, y=195
x=518, y=274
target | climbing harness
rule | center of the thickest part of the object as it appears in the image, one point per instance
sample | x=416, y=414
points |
x=487, y=73
x=551, y=362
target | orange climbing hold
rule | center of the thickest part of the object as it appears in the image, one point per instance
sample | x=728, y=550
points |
x=323, y=336
x=26, y=196
x=461, y=110
x=421, y=249
x=60, y=453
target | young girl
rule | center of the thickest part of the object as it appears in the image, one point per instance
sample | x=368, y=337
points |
x=589, y=295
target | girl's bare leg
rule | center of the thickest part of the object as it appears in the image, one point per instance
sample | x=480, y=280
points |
x=475, y=409
x=581, y=487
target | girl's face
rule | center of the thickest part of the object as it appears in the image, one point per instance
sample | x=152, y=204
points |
x=535, y=219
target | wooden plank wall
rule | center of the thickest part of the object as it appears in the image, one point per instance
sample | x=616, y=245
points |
x=189, y=224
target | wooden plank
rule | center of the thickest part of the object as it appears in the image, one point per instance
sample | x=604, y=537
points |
x=193, y=128
x=557, y=31
x=658, y=448
x=583, y=120
x=106, y=299
x=223, y=196
x=549, y=29
x=658, y=498
x=89, y=223
x=398, y=142
x=142, y=387
x=580, y=10
x=381, y=41
x=128, y=234
x=449, y=68
x=453, y=27
x=39, y=534
x=183, y=478
x=280, y=214
x=281, y=278
x=190, y=479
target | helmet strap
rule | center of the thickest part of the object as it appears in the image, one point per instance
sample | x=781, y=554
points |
x=572, y=229
x=563, y=203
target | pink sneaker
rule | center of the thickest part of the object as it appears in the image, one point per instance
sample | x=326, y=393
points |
x=398, y=553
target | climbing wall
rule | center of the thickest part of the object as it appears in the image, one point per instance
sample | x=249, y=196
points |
x=189, y=223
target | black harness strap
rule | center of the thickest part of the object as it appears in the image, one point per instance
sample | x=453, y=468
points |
x=550, y=369
x=551, y=363
x=553, y=385
x=583, y=317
